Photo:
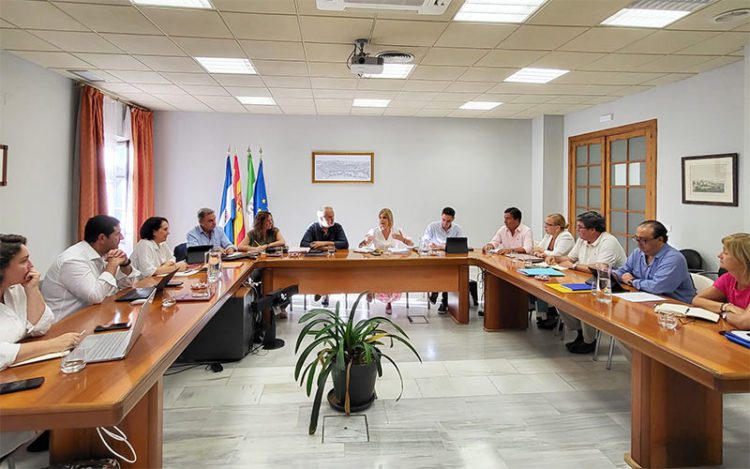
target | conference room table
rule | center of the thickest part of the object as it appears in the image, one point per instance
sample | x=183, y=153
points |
x=678, y=377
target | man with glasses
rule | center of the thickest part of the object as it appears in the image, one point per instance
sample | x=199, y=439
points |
x=594, y=246
x=656, y=267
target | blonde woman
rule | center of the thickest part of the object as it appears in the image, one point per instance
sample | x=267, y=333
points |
x=557, y=240
x=730, y=293
x=384, y=237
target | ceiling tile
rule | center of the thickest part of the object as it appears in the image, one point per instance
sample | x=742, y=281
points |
x=103, y=2
x=334, y=83
x=417, y=96
x=333, y=94
x=38, y=15
x=532, y=98
x=298, y=110
x=291, y=92
x=674, y=63
x=113, y=61
x=18, y=39
x=703, y=18
x=407, y=33
x=277, y=67
x=108, y=78
x=605, y=39
x=337, y=30
x=161, y=89
x=724, y=43
x=326, y=111
x=400, y=112
x=365, y=111
x=432, y=113
x=667, y=42
x=263, y=27
x=399, y=102
x=540, y=37
x=669, y=78
x=139, y=77
x=469, y=87
x=205, y=47
x=318, y=52
x=148, y=101
x=287, y=82
x=256, y=6
x=380, y=84
x=144, y=45
x=375, y=94
x=425, y=85
x=459, y=98
x=476, y=35
x=466, y=113
x=5, y=24
x=576, y=12
x=184, y=103
x=205, y=90
x=223, y=103
x=487, y=74
x=78, y=42
x=329, y=70
x=248, y=91
x=606, y=78
x=452, y=56
x=228, y=79
x=273, y=50
x=600, y=100
x=186, y=22
x=628, y=90
x=305, y=102
x=620, y=62
x=53, y=59
x=110, y=19
x=119, y=88
x=429, y=72
x=333, y=103
x=263, y=109
x=567, y=60
x=190, y=78
x=509, y=58
x=715, y=63
x=445, y=105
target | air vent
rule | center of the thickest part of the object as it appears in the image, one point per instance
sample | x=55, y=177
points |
x=732, y=16
x=422, y=7
x=395, y=57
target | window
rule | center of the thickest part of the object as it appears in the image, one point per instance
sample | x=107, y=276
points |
x=613, y=172
x=118, y=164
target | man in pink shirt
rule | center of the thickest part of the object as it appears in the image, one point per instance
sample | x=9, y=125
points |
x=513, y=237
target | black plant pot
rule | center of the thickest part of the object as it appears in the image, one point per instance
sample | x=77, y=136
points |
x=361, y=387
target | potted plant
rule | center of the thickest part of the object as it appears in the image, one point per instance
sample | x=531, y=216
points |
x=349, y=352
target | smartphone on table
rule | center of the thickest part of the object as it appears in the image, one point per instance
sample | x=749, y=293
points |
x=21, y=385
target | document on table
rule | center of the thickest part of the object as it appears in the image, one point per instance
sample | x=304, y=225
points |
x=41, y=358
x=638, y=297
x=186, y=273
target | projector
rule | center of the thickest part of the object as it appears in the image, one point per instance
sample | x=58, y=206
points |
x=364, y=64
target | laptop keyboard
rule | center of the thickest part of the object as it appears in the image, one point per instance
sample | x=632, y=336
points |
x=106, y=346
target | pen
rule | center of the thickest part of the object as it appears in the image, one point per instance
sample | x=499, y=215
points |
x=82, y=332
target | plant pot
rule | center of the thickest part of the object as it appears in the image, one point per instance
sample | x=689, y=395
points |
x=361, y=384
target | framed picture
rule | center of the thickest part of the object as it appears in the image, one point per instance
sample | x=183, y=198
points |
x=329, y=167
x=710, y=180
x=4, y=166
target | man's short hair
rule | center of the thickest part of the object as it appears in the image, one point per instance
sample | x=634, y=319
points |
x=449, y=211
x=514, y=212
x=204, y=212
x=100, y=224
x=659, y=230
x=593, y=220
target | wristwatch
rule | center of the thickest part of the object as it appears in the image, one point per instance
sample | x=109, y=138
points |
x=125, y=264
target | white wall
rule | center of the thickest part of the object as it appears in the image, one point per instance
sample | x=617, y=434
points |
x=478, y=166
x=702, y=115
x=37, y=122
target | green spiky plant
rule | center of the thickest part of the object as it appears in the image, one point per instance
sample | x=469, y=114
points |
x=340, y=344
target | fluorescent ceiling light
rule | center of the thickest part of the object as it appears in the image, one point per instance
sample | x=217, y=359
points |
x=497, y=11
x=392, y=71
x=204, y=4
x=536, y=75
x=359, y=102
x=644, y=18
x=480, y=105
x=257, y=100
x=222, y=65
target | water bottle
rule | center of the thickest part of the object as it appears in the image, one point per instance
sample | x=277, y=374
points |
x=604, y=283
x=213, y=264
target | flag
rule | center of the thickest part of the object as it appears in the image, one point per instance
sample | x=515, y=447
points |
x=239, y=218
x=228, y=208
x=260, y=198
x=250, y=184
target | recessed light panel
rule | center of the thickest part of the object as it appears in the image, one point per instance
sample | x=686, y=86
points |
x=224, y=65
x=257, y=100
x=392, y=71
x=497, y=11
x=480, y=105
x=203, y=4
x=536, y=75
x=359, y=102
x=654, y=13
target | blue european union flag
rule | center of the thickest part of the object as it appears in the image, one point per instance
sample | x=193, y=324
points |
x=260, y=198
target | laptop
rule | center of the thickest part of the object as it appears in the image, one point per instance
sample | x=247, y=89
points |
x=143, y=293
x=105, y=347
x=456, y=245
x=196, y=254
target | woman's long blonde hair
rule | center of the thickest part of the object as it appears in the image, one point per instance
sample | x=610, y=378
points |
x=738, y=245
x=388, y=214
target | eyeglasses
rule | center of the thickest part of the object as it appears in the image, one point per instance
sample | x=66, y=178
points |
x=549, y=224
x=640, y=240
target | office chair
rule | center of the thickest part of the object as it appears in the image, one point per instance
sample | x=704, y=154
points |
x=700, y=281
x=694, y=260
x=180, y=252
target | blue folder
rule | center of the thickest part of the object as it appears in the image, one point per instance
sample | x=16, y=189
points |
x=533, y=272
x=577, y=286
x=739, y=337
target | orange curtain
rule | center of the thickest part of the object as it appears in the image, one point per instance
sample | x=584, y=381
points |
x=92, y=199
x=143, y=170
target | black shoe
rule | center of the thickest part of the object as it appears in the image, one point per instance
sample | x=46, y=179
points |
x=433, y=297
x=325, y=301
x=583, y=348
x=443, y=308
x=548, y=323
x=480, y=313
x=578, y=340
x=317, y=297
x=40, y=444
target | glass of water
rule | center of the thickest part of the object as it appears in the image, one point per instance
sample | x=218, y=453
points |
x=74, y=362
x=213, y=263
x=604, y=283
x=668, y=320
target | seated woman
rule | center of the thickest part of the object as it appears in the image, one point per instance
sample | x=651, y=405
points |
x=557, y=241
x=730, y=293
x=263, y=235
x=385, y=237
x=23, y=313
x=152, y=255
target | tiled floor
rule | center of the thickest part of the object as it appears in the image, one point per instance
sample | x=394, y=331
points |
x=479, y=400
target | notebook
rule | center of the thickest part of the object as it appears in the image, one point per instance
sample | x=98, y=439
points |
x=143, y=293
x=578, y=286
x=541, y=271
x=688, y=311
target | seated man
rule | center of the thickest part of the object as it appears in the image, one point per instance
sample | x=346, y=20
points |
x=207, y=233
x=594, y=246
x=325, y=234
x=88, y=272
x=656, y=267
x=514, y=236
x=435, y=236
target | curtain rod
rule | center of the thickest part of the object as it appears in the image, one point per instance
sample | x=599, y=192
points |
x=110, y=95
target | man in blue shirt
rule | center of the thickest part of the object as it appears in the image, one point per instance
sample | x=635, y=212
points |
x=656, y=267
x=206, y=233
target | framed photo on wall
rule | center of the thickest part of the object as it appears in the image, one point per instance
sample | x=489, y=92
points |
x=710, y=180
x=331, y=167
x=4, y=165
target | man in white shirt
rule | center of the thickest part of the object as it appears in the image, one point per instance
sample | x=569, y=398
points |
x=89, y=271
x=514, y=236
x=435, y=236
x=594, y=246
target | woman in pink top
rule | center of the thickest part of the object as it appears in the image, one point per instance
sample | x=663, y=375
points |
x=730, y=294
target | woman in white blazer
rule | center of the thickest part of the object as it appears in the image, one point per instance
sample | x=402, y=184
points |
x=557, y=240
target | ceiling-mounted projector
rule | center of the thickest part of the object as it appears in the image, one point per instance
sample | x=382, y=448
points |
x=361, y=63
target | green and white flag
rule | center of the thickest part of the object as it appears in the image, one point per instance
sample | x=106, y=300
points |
x=250, y=186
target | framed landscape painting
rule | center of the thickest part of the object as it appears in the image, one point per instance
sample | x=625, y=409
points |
x=342, y=167
x=710, y=180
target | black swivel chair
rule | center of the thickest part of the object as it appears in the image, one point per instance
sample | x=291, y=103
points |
x=694, y=260
x=180, y=252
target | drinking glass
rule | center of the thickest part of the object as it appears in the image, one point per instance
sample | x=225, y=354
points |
x=74, y=362
x=668, y=320
x=604, y=283
x=213, y=263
